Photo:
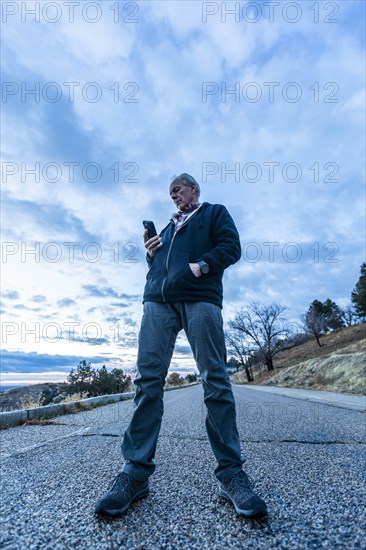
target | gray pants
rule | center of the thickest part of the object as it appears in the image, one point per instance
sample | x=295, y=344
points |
x=202, y=323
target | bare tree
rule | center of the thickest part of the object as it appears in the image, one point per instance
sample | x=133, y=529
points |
x=314, y=324
x=264, y=327
x=240, y=349
x=350, y=316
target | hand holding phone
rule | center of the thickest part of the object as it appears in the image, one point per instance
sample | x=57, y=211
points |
x=150, y=226
x=151, y=238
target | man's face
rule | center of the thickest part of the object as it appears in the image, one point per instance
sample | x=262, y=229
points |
x=182, y=195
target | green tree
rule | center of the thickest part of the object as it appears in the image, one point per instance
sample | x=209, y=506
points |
x=174, y=379
x=121, y=380
x=82, y=379
x=322, y=317
x=97, y=381
x=334, y=315
x=191, y=378
x=358, y=296
x=103, y=383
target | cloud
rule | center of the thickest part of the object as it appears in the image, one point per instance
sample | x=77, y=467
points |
x=45, y=223
x=10, y=294
x=182, y=349
x=39, y=298
x=33, y=362
x=92, y=341
x=66, y=302
x=103, y=292
x=26, y=308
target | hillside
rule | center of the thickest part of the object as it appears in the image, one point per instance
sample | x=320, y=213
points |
x=26, y=396
x=339, y=365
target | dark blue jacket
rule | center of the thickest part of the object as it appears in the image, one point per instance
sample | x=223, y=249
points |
x=210, y=235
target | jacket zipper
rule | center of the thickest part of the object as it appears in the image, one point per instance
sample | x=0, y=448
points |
x=166, y=264
x=170, y=247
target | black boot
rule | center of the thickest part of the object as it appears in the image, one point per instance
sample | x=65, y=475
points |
x=238, y=491
x=124, y=491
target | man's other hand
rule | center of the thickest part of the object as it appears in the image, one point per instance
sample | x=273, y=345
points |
x=196, y=270
x=152, y=244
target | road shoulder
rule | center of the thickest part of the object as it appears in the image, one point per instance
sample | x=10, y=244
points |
x=344, y=401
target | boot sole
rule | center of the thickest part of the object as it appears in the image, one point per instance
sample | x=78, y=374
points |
x=114, y=513
x=259, y=510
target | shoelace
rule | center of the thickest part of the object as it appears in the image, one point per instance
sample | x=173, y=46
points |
x=240, y=481
x=122, y=482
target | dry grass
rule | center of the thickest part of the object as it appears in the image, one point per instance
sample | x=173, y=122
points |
x=30, y=402
x=339, y=365
x=75, y=397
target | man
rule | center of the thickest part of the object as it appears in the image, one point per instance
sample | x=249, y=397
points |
x=184, y=290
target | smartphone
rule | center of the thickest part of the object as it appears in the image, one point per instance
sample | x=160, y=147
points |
x=151, y=231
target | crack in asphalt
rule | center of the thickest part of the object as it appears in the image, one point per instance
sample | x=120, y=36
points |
x=85, y=432
x=302, y=441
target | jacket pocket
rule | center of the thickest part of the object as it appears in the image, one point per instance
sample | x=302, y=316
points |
x=180, y=275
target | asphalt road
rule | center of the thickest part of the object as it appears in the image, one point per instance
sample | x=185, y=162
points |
x=307, y=459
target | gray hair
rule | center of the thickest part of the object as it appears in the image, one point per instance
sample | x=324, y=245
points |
x=187, y=180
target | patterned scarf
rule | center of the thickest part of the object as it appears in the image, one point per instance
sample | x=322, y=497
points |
x=182, y=215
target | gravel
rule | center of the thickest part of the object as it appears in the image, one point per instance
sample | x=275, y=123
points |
x=307, y=461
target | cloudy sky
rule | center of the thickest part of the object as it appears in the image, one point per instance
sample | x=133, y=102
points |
x=103, y=102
